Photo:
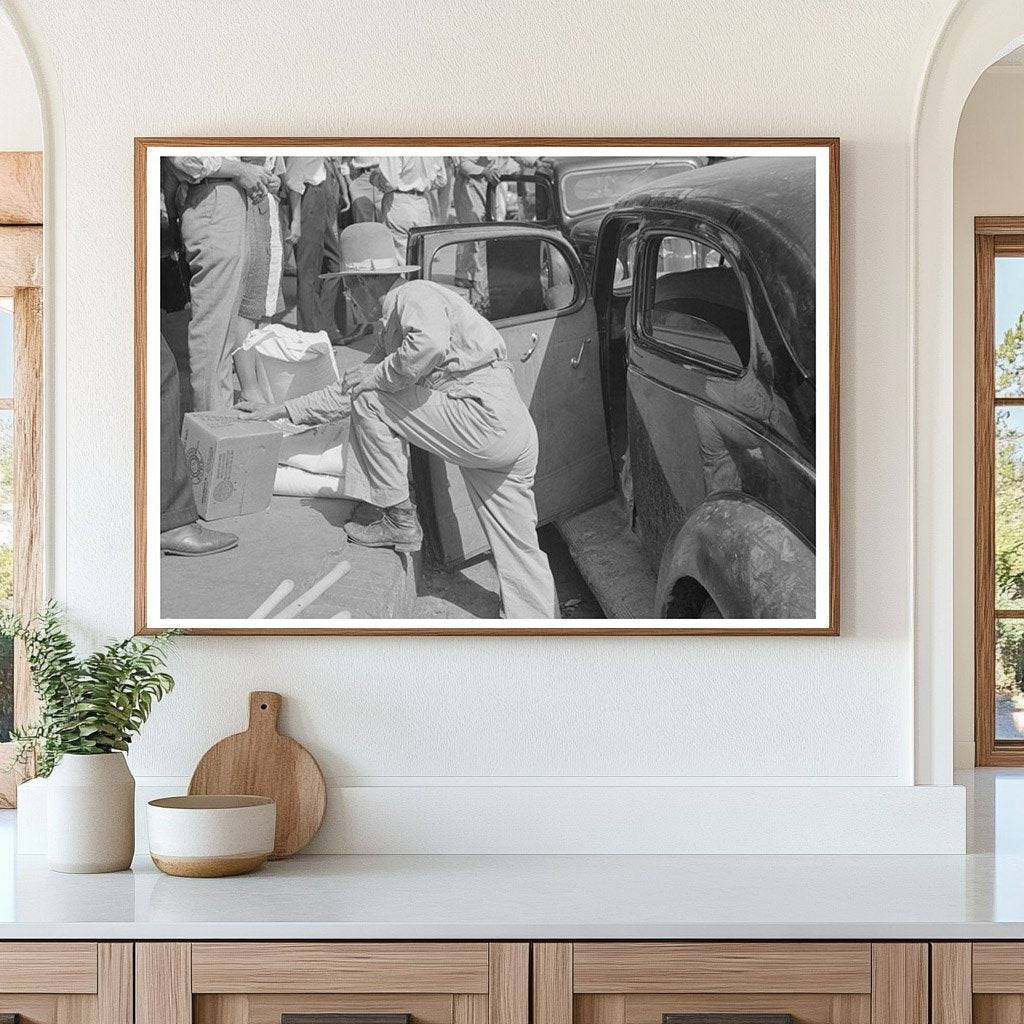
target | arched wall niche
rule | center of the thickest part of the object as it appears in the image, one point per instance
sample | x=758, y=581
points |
x=975, y=35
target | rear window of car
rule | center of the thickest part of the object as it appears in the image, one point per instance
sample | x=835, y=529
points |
x=696, y=306
x=597, y=188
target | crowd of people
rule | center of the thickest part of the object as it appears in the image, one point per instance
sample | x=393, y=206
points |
x=438, y=377
x=238, y=221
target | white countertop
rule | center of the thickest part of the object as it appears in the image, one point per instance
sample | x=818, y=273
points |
x=978, y=896
x=532, y=897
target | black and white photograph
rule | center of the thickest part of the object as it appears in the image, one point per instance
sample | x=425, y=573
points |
x=482, y=387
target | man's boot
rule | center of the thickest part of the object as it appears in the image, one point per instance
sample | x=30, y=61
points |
x=395, y=527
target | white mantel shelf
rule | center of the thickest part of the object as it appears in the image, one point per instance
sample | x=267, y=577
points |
x=531, y=897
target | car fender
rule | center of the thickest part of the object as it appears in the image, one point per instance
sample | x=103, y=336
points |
x=750, y=561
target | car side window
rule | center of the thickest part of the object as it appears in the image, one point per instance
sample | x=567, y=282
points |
x=696, y=304
x=522, y=198
x=507, y=277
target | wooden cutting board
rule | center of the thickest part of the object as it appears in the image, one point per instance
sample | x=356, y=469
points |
x=262, y=762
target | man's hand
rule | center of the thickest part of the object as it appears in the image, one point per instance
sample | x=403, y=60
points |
x=492, y=174
x=254, y=180
x=252, y=411
x=358, y=379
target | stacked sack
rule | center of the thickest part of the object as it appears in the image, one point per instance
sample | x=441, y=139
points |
x=289, y=364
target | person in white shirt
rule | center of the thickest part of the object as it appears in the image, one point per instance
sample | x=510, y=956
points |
x=405, y=183
x=213, y=232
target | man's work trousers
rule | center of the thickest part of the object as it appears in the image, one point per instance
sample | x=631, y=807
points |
x=401, y=212
x=317, y=253
x=470, y=208
x=483, y=427
x=177, y=504
x=214, y=236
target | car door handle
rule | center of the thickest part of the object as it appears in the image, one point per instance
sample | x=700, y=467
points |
x=533, y=348
x=578, y=358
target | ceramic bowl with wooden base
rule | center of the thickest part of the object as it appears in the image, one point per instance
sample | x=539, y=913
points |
x=211, y=836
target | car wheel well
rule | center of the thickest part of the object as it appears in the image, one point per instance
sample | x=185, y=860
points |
x=689, y=600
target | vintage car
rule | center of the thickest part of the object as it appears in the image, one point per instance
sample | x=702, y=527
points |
x=675, y=405
x=563, y=190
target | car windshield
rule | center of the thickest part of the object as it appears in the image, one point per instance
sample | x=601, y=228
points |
x=588, y=189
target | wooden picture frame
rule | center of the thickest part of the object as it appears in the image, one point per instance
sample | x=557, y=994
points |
x=826, y=621
x=21, y=277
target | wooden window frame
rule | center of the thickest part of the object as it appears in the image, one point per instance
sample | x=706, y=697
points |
x=21, y=277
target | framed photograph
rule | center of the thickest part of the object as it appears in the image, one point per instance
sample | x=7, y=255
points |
x=487, y=386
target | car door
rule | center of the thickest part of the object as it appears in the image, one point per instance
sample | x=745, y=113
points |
x=705, y=418
x=528, y=282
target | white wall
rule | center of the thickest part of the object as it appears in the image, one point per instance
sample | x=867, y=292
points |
x=442, y=714
x=21, y=125
x=988, y=181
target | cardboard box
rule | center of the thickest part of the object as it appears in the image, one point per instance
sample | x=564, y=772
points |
x=232, y=463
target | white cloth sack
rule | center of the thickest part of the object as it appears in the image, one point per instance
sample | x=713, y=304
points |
x=319, y=449
x=297, y=483
x=290, y=363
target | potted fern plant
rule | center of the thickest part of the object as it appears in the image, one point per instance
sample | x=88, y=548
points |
x=89, y=710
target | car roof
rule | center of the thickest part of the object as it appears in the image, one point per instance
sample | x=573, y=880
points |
x=768, y=203
x=752, y=194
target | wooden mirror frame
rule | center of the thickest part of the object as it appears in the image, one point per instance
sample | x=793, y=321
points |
x=21, y=277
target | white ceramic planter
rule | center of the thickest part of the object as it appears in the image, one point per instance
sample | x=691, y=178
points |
x=90, y=814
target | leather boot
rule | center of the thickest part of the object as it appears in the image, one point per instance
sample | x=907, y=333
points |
x=396, y=527
x=364, y=513
x=194, y=540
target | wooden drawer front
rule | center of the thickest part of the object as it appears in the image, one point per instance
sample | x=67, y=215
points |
x=365, y=967
x=268, y=1009
x=998, y=967
x=648, y=1009
x=65, y=967
x=726, y=967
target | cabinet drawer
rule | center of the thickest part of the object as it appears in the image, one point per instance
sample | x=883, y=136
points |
x=48, y=967
x=737, y=982
x=634, y=967
x=981, y=982
x=340, y=967
x=66, y=982
x=262, y=982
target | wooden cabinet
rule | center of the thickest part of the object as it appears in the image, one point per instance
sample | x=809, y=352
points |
x=815, y=982
x=979, y=982
x=66, y=982
x=260, y=982
x=496, y=983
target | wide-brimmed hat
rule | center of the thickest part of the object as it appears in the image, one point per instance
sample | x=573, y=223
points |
x=369, y=248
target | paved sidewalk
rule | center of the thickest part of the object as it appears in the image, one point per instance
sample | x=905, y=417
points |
x=298, y=539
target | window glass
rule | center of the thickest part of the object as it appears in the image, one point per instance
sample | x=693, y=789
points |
x=1009, y=517
x=1009, y=679
x=598, y=188
x=625, y=261
x=1009, y=320
x=1008, y=491
x=526, y=200
x=506, y=277
x=6, y=567
x=6, y=349
x=697, y=305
